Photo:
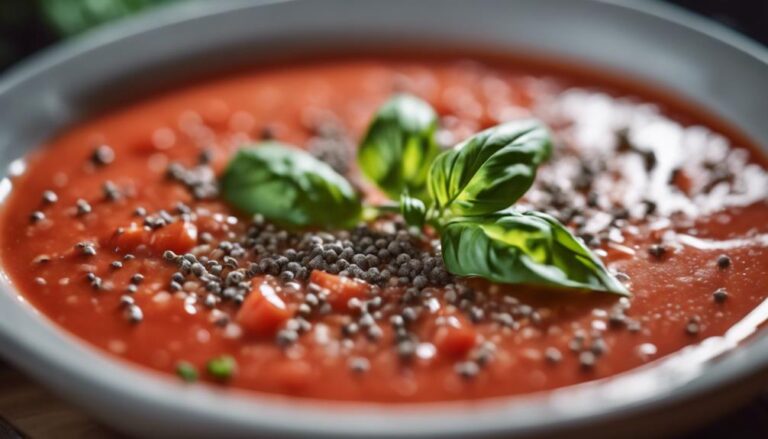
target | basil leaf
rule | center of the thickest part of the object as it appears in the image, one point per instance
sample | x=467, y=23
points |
x=70, y=17
x=413, y=210
x=491, y=170
x=289, y=186
x=523, y=248
x=399, y=146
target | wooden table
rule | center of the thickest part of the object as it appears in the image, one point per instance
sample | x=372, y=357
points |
x=27, y=410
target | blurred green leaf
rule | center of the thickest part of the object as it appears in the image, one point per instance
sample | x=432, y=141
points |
x=289, y=186
x=399, y=146
x=70, y=17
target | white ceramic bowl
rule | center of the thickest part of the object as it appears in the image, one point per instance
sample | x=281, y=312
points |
x=655, y=43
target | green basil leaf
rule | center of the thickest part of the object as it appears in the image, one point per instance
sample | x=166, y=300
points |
x=289, y=186
x=413, y=210
x=523, y=248
x=70, y=17
x=491, y=170
x=399, y=146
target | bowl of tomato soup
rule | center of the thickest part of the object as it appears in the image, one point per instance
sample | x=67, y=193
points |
x=217, y=233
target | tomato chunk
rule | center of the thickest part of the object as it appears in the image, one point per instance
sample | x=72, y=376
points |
x=179, y=237
x=455, y=340
x=129, y=238
x=263, y=312
x=340, y=289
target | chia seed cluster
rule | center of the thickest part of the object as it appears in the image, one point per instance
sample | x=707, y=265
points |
x=199, y=180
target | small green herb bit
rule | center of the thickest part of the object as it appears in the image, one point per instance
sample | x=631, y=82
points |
x=399, y=146
x=491, y=170
x=222, y=368
x=186, y=371
x=289, y=187
x=523, y=248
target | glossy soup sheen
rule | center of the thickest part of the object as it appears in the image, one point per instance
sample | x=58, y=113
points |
x=672, y=202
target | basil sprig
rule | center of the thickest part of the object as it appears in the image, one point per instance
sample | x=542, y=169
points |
x=522, y=248
x=465, y=194
x=290, y=187
x=399, y=146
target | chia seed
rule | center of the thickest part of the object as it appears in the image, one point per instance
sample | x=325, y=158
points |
x=50, y=197
x=42, y=259
x=86, y=248
x=36, y=216
x=311, y=300
x=83, y=208
x=634, y=326
x=359, y=365
x=286, y=337
x=553, y=355
x=657, y=251
x=406, y=349
x=723, y=262
x=102, y=155
x=720, y=295
x=598, y=346
x=110, y=190
x=349, y=329
x=467, y=369
x=374, y=333
x=134, y=314
x=587, y=359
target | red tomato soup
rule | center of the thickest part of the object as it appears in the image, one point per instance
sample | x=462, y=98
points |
x=116, y=232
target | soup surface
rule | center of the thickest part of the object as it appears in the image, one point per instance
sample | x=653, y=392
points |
x=114, y=230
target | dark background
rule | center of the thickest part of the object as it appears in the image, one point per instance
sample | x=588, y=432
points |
x=27, y=26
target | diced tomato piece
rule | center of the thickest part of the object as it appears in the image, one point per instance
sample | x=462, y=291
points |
x=179, y=237
x=340, y=289
x=129, y=238
x=455, y=340
x=263, y=312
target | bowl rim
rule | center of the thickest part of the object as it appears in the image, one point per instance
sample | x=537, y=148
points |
x=194, y=9
x=276, y=414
